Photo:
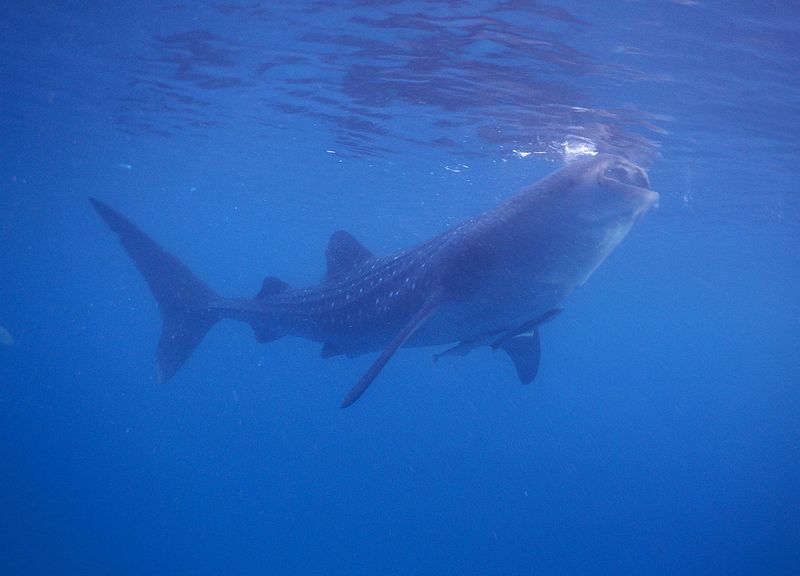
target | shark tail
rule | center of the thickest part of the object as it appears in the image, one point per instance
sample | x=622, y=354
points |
x=188, y=307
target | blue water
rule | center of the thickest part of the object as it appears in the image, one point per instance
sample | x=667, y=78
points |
x=662, y=435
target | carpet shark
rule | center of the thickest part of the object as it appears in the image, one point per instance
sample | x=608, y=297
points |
x=491, y=280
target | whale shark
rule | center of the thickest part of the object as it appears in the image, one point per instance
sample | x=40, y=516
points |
x=492, y=280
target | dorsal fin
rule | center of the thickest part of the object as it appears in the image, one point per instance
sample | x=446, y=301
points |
x=343, y=254
x=271, y=286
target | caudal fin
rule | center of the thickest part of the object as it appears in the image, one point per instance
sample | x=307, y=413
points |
x=183, y=299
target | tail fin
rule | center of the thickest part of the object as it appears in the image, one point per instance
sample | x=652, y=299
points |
x=184, y=300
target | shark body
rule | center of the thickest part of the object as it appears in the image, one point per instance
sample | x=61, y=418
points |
x=491, y=280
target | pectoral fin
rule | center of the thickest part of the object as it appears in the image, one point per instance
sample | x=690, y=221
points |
x=524, y=351
x=408, y=330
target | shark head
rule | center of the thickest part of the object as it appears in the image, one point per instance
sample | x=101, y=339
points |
x=604, y=197
x=611, y=191
x=569, y=222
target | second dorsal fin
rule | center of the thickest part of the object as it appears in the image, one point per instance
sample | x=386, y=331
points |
x=343, y=254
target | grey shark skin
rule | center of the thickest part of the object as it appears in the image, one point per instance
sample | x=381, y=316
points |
x=491, y=280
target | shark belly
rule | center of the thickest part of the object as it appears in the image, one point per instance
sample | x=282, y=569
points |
x=498, y=306
x=483, y=314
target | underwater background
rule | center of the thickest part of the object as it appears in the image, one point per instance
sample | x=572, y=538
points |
x=662, y=435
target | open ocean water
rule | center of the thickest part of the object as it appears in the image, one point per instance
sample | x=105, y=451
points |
x=662, y=435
